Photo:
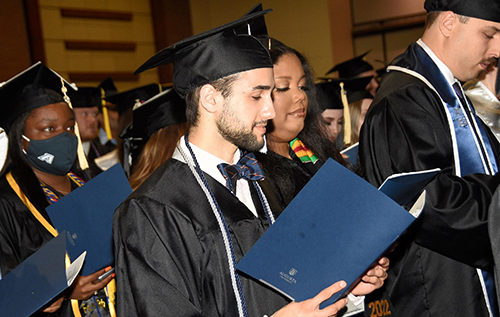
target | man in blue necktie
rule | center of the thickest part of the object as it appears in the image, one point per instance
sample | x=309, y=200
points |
x=421, y=120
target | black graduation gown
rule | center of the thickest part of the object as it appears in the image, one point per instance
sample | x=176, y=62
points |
x=287, y=177
x=169, y=255
x=432, y=269
x=21, y=235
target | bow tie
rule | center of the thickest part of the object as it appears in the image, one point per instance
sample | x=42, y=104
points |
x=247, y=168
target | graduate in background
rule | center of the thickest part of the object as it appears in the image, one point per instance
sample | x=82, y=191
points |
x=42, y=167
x=125, y=102
x=158, y=124
x=86, y=102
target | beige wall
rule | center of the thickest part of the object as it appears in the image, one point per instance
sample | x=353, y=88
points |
x=57, y=29
x=303, y=25
x=320, y=29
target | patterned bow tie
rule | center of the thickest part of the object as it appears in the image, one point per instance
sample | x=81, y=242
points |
x=247, y=168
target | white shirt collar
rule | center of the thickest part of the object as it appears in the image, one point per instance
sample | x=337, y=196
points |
x=442, y=66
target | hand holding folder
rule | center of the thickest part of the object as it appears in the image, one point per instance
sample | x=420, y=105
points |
x=38, y=280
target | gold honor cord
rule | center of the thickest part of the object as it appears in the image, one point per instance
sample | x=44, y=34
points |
x=347, y=115
x=81, y=154
x=105, y=115
x=74, y=302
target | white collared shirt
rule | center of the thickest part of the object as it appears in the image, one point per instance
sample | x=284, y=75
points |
x=448, y=75
x=208, y=164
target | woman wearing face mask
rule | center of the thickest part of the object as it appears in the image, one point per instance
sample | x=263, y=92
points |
x=297, y=139
x=41, y=167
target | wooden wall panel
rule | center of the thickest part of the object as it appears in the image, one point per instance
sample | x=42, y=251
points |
x=172, y=23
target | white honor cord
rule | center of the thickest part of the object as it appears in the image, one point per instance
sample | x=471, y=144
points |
x=266, y=207
x=232, y=269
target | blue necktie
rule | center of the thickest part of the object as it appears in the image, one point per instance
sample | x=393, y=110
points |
x=489, y=280
x=247, y=168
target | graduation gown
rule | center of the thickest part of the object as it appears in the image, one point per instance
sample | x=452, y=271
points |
x=287, y=177
x=433, y=267
x=169, y=254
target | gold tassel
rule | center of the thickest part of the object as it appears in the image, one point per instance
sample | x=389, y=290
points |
x=81, y=154
x=105, y=114
x=347, y=115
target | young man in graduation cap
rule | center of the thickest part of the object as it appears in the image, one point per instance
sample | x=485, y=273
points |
x=420, y=120
x=179, y=236
x=86, y=102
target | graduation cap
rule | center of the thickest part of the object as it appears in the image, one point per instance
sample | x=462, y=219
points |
x=164, y=109
x=353, y=67
x=128, y=99
x=85, y=97
x=212, y=55
x=108, y=86
x=481, y=9
x=338, y=93
x=33, y=88
x=256, y=26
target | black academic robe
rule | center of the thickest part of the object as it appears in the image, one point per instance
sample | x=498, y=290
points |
x=169, y=254
x=432, y=269
x=21, y=235
x=286, y=176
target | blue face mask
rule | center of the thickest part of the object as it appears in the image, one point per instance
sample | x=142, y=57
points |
x=55, y=155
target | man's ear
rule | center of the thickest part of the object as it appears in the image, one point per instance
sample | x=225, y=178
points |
x=447, y=21
x=210, y=98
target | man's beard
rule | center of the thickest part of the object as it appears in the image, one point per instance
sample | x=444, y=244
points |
x=233, y=130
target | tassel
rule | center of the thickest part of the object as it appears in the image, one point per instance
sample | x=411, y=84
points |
x=347, y=115
x=82, y=160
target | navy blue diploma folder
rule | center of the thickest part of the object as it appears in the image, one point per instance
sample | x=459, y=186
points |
x=333, y=230
x=37, y=280
x=87, y=215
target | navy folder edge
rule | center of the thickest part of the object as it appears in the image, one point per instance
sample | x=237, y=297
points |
x=38, y=279
x=326, y=235
x=86, y=214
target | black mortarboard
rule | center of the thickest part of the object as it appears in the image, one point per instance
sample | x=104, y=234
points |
x=482, y=9
x=212, y=55
x=162, y=110
x=85, y=97
x=256, y=26
x=35, y=87
x=352, y=68
x=127, y=99
x=108, y=86
x=329, y=92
